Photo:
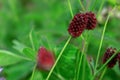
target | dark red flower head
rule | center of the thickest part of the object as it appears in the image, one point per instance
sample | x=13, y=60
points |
x=92, y=21
x=77, y=25
x=118, y=56
x=109, y=52
x=45, y=59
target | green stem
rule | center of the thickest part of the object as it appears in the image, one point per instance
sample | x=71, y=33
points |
x=102, y=37
x=32, y=76
x=94, y=5
x=80, y=61
x=83, y=8
x=59, y=56
x=105, y=69
x=103, y=1
x=70, y=8
x=31, y=39
x=84, y=65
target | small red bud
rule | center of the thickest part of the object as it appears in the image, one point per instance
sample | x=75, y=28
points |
x=45, y=59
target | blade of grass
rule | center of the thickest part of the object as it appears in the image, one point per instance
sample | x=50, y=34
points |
x=58, y=58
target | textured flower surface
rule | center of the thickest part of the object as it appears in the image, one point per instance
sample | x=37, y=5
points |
x=45, y=59
x=92, y=21
x=118, y=56
x=77, y=25
x=109, y=52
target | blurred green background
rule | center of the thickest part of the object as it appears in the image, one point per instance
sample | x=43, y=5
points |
x=49, y=19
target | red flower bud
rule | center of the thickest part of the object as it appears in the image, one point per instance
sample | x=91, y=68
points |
x=45, y=59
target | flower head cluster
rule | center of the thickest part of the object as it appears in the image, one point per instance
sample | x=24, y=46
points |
x=109, y=52
x=80, y=22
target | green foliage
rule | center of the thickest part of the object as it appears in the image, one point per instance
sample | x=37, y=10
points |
x=8, y=58
x=26, y=25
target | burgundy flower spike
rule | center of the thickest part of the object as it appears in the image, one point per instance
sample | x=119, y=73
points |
x=92, y=21
x=109, y=52
x=80, y=22
x=77, y=25
x=45, y=59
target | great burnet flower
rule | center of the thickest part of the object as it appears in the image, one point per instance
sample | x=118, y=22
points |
x=45, y=59
x=92, y=21
x=80, y=22
x=118, y=57
x=109, y=52
x=77, y=25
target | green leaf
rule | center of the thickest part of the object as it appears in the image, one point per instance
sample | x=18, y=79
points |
x=67, y=62
x=9, y=58
x=30, y=53
x=19, y=71
x=18, y=46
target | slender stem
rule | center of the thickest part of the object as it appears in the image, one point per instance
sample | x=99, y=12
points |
x=80, y=61
x=31, y=40
x=58, y=58
x=59, y=76
x=70, y=8
x=102, y=37
x=103, y=1
x=83, y=8
x=105, y=69
x=32, y=76
x=84, y=65
x=94, y=5
x=77, y=61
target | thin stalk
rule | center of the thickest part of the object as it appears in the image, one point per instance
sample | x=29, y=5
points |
x=103, y=1
x=77, y=61
x=102, y=37
x=59, y=56
x=105, y=69
x=80, y=61
x=84, y=65
x=59, y=76
x=31, y=40
x=32, y=76
x=70, y=8
x=83, y=8
x=94, y=5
